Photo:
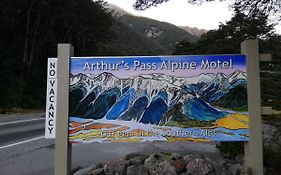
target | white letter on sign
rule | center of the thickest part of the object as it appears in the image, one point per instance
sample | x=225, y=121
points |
x=51, y=99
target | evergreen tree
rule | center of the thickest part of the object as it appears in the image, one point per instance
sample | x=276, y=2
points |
x=227, y=38
x=30, y=31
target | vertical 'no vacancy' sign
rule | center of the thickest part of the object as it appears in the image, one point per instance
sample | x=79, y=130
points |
x=51, y=98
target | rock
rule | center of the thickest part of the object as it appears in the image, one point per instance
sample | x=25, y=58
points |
x=136, y=161
x=178, y=162
x=134, y=155
x=221, y=167
x=157, y=158
x=99, y=171
x=74, y=170
x=167, y=164
x=235, y=168
x=179, y=165
x=162, y=168
x=171, y=162
x=188, y=158
x=137, y=170
x=116, y=167
x=135, y=158
x=200, y=166
x=85, y=171
x=176, y=156
x=245, y=171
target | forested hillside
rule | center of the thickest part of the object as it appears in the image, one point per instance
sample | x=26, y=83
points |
x=161, y=34
x=29, y=33
x=129, y=42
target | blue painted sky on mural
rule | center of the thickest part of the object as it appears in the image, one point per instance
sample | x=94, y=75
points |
x=78, y=65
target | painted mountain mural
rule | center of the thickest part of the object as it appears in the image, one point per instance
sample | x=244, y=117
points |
x=158, y=106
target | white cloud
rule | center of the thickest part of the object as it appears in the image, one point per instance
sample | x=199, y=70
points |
x=278, y=28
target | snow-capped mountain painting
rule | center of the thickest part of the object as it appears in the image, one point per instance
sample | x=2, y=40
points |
x=135, y=100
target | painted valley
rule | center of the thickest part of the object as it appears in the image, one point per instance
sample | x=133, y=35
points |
x=157, y=106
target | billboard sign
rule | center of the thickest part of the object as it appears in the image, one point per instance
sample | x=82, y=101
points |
x=158, y=98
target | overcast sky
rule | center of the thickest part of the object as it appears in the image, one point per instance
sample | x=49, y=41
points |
x=179, y=12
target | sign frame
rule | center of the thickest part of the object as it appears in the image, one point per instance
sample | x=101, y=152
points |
x=226, y=71
x=253, y=150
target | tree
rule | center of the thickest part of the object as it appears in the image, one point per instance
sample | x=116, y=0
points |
x=228, y=37
x=144, y=4
x=272, y=7
x=30, y=31
x=226, y=40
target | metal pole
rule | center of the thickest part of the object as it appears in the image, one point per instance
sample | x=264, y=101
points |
x=253, y=148
x=62, y=147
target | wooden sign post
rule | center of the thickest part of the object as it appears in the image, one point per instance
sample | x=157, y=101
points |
x=253, y=148
x=62, y=147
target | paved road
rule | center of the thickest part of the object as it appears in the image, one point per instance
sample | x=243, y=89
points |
x=26, y=153
x=15, y=130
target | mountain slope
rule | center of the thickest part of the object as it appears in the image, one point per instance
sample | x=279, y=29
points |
x=194, y=30
x=165, y=34
x=115, y=10
x=128, y=42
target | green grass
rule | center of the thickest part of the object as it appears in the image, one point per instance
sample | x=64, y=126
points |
x=238, y=109
x=241, y=109
x=18, y=111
